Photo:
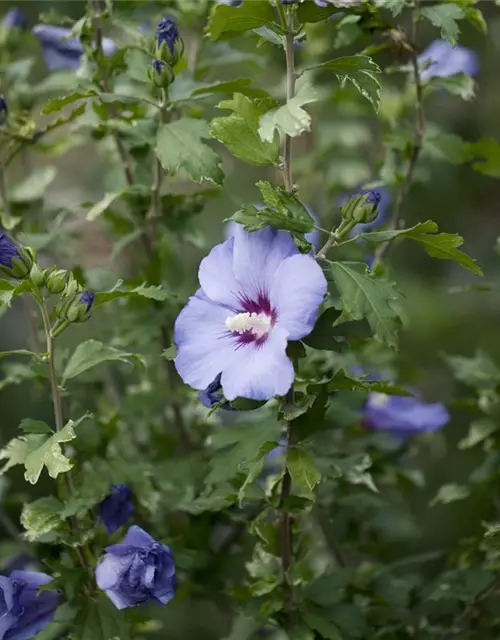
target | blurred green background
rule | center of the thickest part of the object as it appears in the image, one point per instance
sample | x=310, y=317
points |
x=343, y=150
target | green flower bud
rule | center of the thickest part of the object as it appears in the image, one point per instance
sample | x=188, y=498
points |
x=57, y=280
x=161, y=75
x=169, y=45
x=363, y=207
x=38, y=275
x=78, y=308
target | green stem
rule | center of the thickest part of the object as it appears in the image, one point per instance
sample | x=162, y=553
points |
x=335, y=235
x=290, y=92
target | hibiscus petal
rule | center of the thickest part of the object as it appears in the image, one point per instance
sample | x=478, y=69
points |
x=119, y=600
x=257, y=256
x=259, y=372
x=110, y=570
x=298, y=289
x=217, y=278
x=204, y=345
x=137, y=537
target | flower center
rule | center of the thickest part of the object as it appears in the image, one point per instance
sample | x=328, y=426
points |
x=259, y=324
x=379, y=399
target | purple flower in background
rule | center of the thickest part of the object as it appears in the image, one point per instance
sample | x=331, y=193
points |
x=380, y=197
x=8, y=251
x=15, y=260
x=4, y=110
x=60, y=51
x=138, y=570
x=403, y=415
x=231, y=3
x=441, y=60
x=117, y=508
x=257, y=293
x=312, y=237
x=24, y=611
x=14, y=19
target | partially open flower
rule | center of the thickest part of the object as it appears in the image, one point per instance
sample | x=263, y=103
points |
x=15, y=261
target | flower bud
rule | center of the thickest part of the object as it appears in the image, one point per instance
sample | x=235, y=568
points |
x=169, y=45
x=4, y=111
x=161, y=75
x=57, y=280
x=78, y=308
x=72, y=287
x=16, y=261
x=363, y=207
x=37, y=275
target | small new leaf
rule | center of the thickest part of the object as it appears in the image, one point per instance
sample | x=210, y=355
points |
x=450, y=493
x=180, y=146
x=361, y=71
x=290, y=119
x=300, y=463
x=239, y=132
x=41, y=517
x=364, y=296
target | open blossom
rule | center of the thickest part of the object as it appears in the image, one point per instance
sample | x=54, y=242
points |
x=24, y=610
x=257, y=293
x=403, y=415
x=117, y=508
x=138, y=570
x=60, y=50
x=441, y=60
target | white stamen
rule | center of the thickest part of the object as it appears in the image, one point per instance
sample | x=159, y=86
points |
x=258, y=323
x=379, y=399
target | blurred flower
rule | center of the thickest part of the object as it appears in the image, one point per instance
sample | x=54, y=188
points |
x=231, y=3
x=15, y=260
x=380, y=197
x=4, y=110
x=443, y=60
x=312, y=237
x=14, y=18
x=60, y=51
x=117, y=508
x=24, y=611
x=21, y=561
x=213, y=395
x=138, y=570
x=257, y=293
x=403, y=415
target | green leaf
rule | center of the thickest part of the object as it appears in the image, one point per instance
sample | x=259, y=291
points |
x=92, y=353
x=361, y=71
x=57, y=104
x=311, y=12
x=364, y=296
x=486, y=154
x=240, y=85
x=445, y=17
x=300, y=463
x=459, y=84
x=35, y=452
x=142, y=291
x=100, y=620
x=437, y=245
x=322, y=626
x=326, y=335
x=34, y=186
x=354, y=469
x=18, y=352
x=341, y=381
x=100, y=207
x=479, y=431
x=395, y=6
x=254, y=468
x=41, y=517
x=290, y=119
x=251, y=15
x=479, y=371
x=35, y=426
x=450, y=493
x=239, y=132
x=448, y=146
x=180, y=146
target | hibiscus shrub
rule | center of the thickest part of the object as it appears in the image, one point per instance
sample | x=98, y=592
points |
x=226, y=442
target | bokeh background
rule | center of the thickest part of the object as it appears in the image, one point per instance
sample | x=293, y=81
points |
x=446, y=315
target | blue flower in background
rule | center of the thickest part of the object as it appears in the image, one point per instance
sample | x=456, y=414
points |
x=403, y=415
x=14, y=18
x=138, y=570
x=117, y=508
x=8, y=251
x=213, y=395
x=380, y=197
x=257, y=293
x=60, y=51
x=24, y=611
x=446, y=60
x=4, y=110
x=231, y=3
x=15, y=260
x=312, y=237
